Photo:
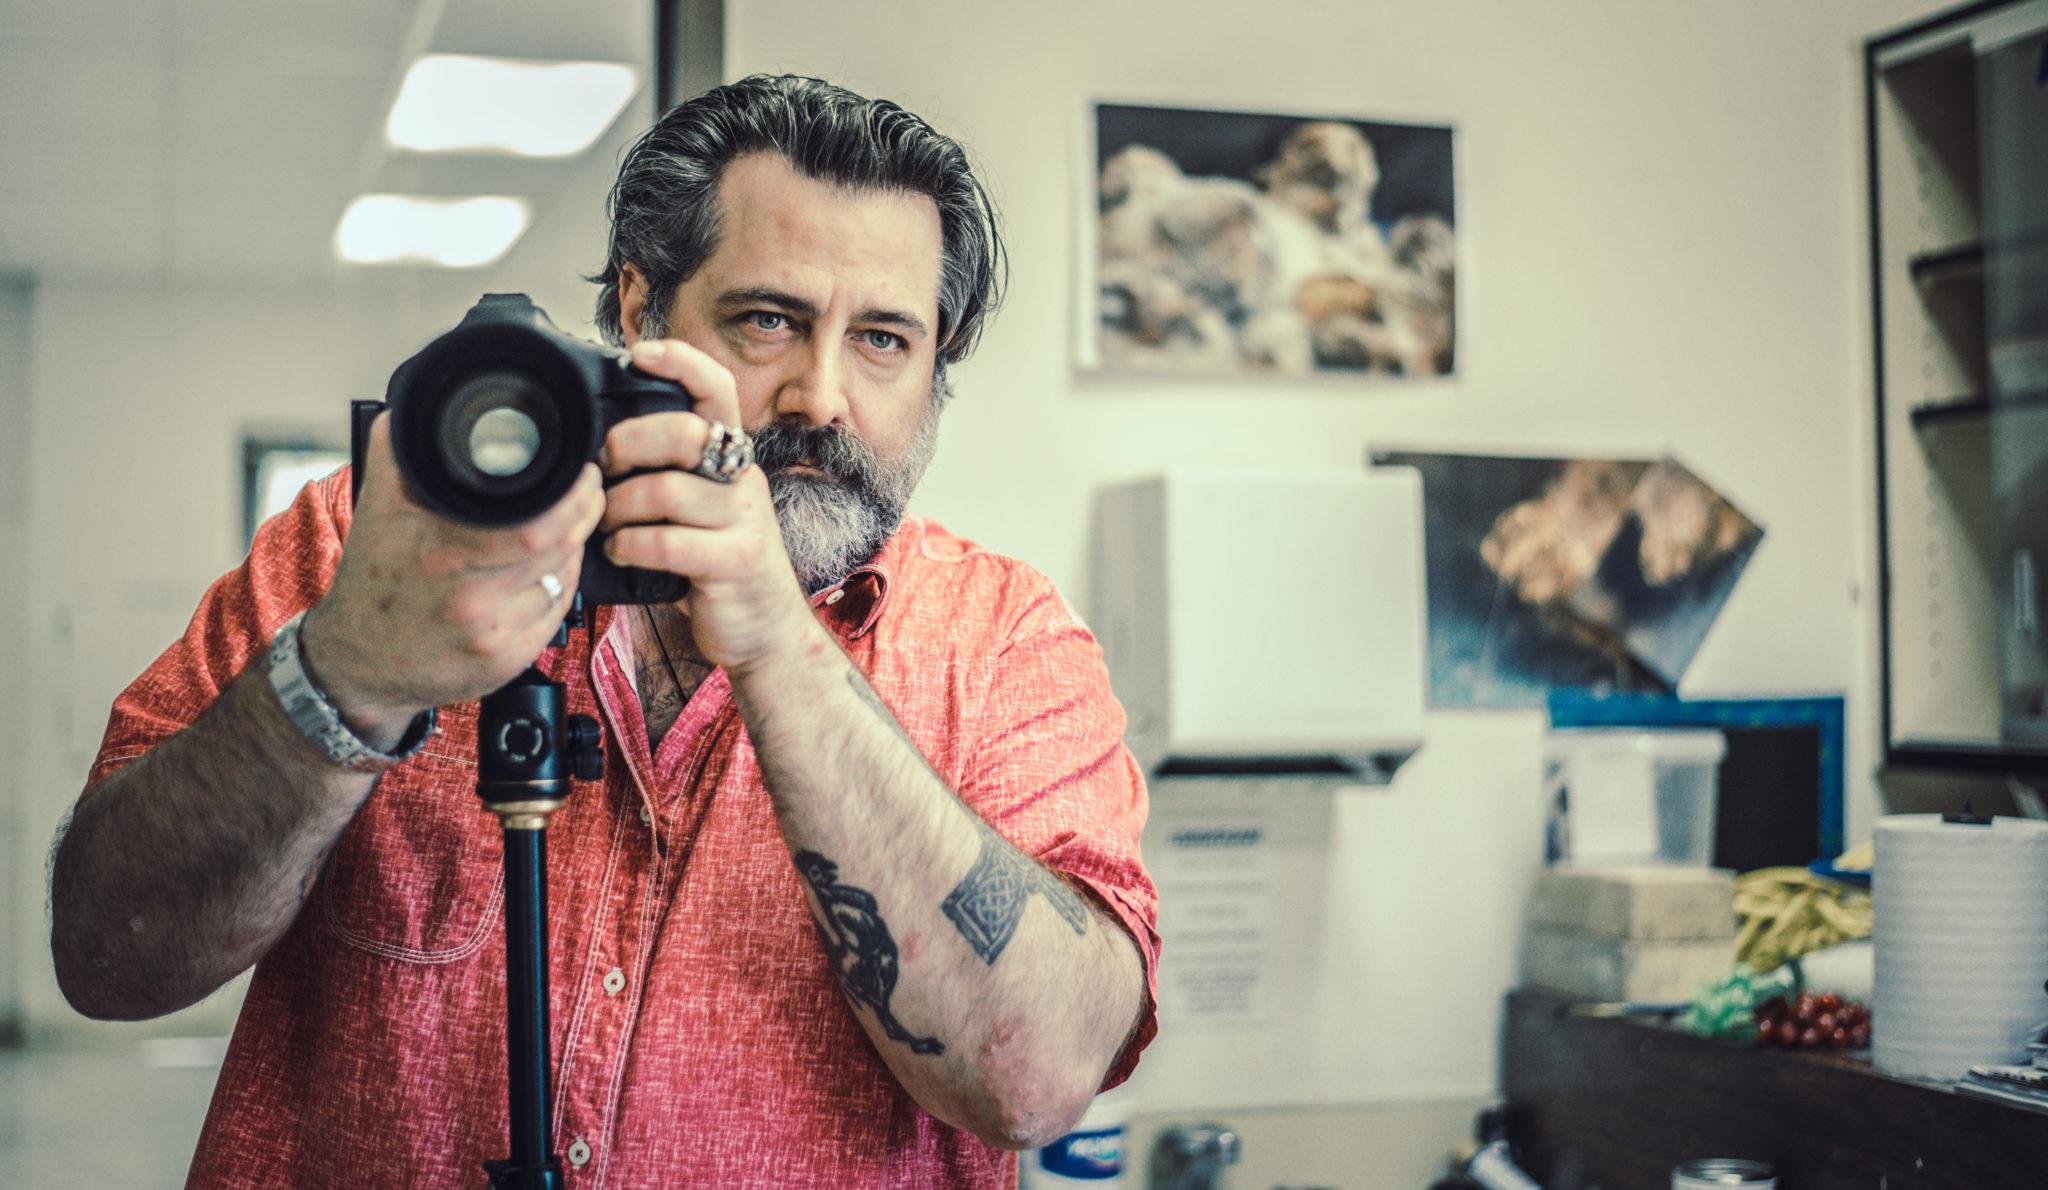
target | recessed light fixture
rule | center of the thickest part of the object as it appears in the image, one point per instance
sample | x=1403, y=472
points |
x=456, y=233
x=460, y=103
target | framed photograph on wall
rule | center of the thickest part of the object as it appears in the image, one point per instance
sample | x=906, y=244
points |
x=1235, y=243
x=276, y=466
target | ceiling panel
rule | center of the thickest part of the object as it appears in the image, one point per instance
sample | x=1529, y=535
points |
x=221, y=138
x=606, y=30
x=89, y=202
x=278, y=23
x=55, y=21
x=52, y=87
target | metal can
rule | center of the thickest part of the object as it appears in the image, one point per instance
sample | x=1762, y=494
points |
x=1719, y=1173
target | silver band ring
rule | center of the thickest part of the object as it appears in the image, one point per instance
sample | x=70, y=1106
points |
x=553, y=587
x=727, y=452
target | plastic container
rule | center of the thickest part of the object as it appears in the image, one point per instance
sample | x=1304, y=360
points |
x=1623, y=795
x=1091, y=1155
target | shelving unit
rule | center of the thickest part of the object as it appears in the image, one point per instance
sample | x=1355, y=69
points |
x=1953, y=424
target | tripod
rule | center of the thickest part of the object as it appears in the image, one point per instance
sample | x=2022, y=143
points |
x=527, y=752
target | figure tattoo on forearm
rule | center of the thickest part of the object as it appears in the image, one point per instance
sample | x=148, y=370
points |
x=859, y=946
x=990, y=900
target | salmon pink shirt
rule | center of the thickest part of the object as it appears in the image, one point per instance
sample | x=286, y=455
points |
x=699, y=1036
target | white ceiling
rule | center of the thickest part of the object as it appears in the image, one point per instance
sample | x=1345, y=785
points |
x=188, y=141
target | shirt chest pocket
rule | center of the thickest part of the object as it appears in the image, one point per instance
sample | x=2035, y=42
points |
x=419, y=876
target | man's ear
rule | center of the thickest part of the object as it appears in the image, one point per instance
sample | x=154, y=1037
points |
x=632, y=300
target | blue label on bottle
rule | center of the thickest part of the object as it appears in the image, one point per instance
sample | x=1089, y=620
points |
x=1085, y=1156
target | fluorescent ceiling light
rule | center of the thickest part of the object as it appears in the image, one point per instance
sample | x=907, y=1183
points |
x=457, y=103
x=456, y=233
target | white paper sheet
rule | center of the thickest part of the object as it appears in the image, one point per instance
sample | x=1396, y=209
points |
x=1215, y=886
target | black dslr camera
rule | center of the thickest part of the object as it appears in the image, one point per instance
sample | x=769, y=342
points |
x=492, y=421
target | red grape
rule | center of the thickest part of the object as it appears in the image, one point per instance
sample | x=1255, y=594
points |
x=1788, y=1033
x=1827, y=1002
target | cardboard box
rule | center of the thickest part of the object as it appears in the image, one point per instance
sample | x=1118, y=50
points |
x=1647, y=903
x=1590, y=967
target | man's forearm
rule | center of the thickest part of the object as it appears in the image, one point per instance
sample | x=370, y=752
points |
x=178, y=872
x=996, y=992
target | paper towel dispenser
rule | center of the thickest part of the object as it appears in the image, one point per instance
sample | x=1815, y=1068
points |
x=1265, y=622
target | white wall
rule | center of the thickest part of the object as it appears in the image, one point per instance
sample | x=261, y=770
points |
x=1660, y=217
x=17, y=313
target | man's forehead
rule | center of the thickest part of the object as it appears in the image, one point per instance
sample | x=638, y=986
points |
x=779, y=228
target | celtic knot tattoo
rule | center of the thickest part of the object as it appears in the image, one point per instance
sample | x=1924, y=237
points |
x=989, y=901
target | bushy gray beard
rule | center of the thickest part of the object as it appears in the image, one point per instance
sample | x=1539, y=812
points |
x=835, y=521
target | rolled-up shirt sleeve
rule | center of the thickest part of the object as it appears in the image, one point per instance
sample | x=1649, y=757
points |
x=1051, y=773
x=288, y=568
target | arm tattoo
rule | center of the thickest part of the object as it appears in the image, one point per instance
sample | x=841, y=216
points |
x=859, y=946
x=990, y=900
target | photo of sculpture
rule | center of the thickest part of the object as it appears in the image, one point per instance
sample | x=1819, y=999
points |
x=1602, y=574
x=1234, y=242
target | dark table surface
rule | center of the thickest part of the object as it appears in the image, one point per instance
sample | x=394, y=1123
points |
x=1615, y=1103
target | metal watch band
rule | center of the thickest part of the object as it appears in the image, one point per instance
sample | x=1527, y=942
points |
x=316, y=718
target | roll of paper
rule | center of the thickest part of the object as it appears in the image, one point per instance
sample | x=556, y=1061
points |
x=1961, y=935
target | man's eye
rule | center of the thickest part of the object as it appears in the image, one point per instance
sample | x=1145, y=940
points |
x=884, y=341
x=767, y=320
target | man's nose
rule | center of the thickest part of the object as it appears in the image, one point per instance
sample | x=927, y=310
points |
x=816, y=393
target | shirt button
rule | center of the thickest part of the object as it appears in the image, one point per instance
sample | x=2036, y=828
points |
x=579, y=1153
x=614, y=982
x=646, y=815
x=834, y=597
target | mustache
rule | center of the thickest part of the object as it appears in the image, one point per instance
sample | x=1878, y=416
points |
x=831, y=449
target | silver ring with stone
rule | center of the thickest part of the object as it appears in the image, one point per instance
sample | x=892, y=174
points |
x=552, y=585
x=727, y=452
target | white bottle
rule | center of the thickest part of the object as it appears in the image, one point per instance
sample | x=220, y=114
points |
x=1092, y=1155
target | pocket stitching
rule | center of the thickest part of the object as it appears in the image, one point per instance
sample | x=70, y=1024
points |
x=409, y=954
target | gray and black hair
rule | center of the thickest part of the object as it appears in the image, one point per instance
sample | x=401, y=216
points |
x=664, y=206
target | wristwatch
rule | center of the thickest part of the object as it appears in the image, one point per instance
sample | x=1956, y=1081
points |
x=316, y=718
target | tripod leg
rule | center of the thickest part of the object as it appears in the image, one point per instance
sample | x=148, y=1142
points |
x=532, y=1165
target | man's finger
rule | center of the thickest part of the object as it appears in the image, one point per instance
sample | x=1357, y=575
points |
x=716, y=395
x=670, y=497
x=654, y=442
x=678, y=549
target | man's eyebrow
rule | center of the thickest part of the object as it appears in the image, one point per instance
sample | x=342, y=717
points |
x=734, y=299
x=895, y=318
x=757, y=295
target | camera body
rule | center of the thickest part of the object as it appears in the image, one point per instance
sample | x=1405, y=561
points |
x=492, y=422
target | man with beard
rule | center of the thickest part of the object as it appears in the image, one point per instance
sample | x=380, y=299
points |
x=859, y=901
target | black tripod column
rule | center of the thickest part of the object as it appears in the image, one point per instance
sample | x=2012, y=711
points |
x=527, y=751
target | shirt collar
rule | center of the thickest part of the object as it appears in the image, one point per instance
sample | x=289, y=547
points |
x=853, y=605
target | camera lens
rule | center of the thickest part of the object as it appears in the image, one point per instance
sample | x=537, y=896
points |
x=495, y=426
x=503, y=442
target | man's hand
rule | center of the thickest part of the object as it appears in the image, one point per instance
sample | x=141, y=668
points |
x=745, y=602
x=424, y=611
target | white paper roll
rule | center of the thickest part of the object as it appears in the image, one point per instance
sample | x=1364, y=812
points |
x=1961, y=933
